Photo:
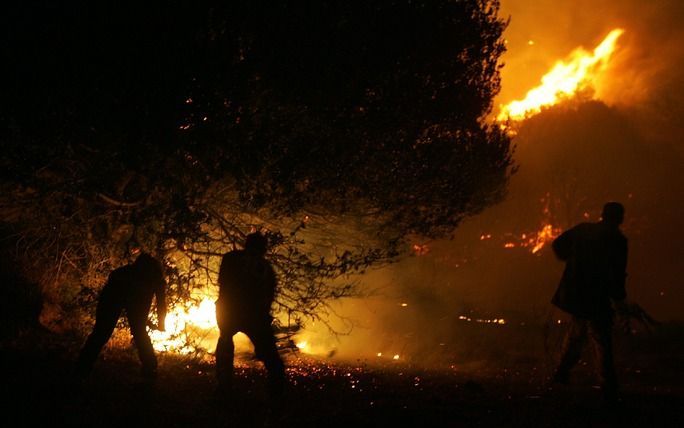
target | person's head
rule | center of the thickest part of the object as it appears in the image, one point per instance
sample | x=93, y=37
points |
x=149, y=267
x=613, y=214
x=256, y=243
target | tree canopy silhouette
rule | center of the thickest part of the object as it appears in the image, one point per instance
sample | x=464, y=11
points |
x=344, y=128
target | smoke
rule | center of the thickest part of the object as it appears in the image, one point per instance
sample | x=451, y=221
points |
x=623, y=145
x=626, y=147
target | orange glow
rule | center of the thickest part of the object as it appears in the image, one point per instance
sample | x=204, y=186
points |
x=197, y=321
x=537, y=240
x=499, y=321
x=565, y=79
x=198, y=318
x=546, y=234
x=421, y=249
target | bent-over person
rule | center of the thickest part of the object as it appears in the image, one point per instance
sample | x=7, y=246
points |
x=129, y=288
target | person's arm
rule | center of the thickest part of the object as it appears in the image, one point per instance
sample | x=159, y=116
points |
x=231, y=266
x=562, y=246
x=617, y=291
x=270, y=287
x=160, y=293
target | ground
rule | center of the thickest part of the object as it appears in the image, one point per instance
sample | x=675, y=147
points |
x=39, y=390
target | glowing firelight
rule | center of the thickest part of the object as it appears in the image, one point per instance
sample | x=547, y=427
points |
x=499, y=321
x=546, y=234
x=194, y=327
x=196, y=317
x=537, y=240
x=565, y=79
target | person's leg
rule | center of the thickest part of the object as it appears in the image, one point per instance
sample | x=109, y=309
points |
x=600, y=333
x=225, y=353
x=265, y=349
x=572, y=349
x=108, y=312
x=137, y=319
x=225, y=348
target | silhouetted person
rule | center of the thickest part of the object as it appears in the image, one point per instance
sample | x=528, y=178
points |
x=593, y=280
x=128, y=288
x=247, y=285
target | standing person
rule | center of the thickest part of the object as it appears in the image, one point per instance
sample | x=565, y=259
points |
x=594, y=279
x=247, y=285
x=128, y=288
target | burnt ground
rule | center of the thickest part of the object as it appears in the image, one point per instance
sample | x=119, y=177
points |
x=38, y=390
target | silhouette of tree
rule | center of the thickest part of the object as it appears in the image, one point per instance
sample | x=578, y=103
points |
x=341, y=128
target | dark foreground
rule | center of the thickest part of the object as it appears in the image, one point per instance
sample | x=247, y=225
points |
x=37, y=390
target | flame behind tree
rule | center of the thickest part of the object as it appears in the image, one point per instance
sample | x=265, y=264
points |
x=566, y=78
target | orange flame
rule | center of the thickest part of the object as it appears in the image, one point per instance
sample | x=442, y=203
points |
x=537, y=240
x=182, y=321
x=564, y=80
x=546, y=234
x=196, y=320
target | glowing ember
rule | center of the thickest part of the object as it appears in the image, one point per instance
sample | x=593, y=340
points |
x=421, y=249
x=499, y=321
x=565, y=79
x=395, y=357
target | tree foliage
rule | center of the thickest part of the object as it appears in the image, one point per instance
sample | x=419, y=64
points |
x=342, y=128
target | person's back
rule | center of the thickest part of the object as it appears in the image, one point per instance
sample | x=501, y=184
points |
x=595, y=256
x=247, y=285
x=133, y=286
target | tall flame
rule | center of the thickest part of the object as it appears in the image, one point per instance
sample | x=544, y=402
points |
x=565, y=79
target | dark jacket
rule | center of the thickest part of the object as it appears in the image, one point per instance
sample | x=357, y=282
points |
x=133, y=286
x=247, y=285
x=595, y=270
